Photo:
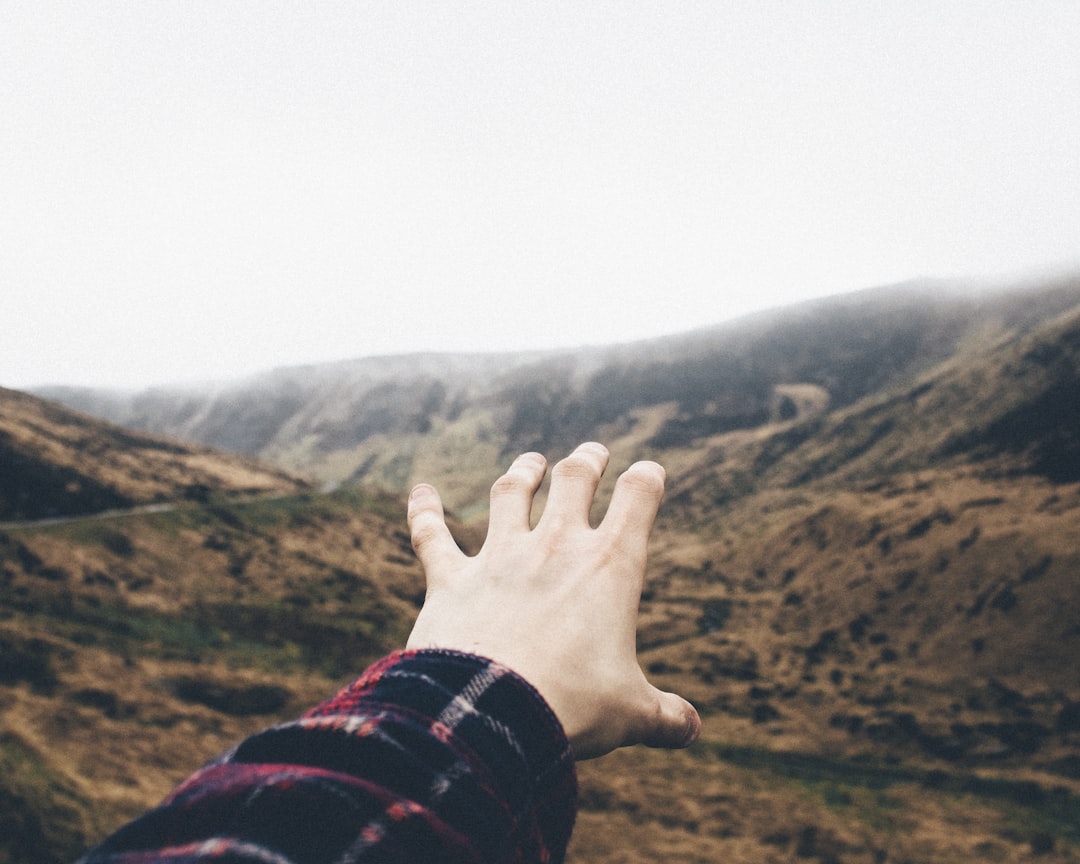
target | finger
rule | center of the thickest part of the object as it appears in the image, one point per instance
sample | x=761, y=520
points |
x=512, y=494
x=674, y=722
x=573, y=485
x=634, y=504
x=431, y=539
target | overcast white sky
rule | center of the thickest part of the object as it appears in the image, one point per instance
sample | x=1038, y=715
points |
x=194, y=190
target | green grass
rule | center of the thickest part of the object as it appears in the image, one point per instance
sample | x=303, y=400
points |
x=859, y=787
x=260, y=513
x=258, y=631
x=263, y=634
x=41, y=814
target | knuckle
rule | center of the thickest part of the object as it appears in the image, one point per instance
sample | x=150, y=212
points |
x=509, y=484
x=644, y=478
x=523, y=476
x=577, y=466
x=424, y=533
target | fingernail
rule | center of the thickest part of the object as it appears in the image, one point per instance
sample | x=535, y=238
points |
x=693, y=728
x=530, y=459
x=420, y=492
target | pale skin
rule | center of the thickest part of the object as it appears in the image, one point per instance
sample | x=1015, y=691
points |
x=558, y=603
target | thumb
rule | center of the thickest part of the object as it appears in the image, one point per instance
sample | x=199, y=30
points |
x=675, y=723
x=431, y=539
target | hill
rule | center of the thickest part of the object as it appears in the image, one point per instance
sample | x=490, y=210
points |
x=869, y=592
x=135, y=647
x=392, y=421
x=58, y=462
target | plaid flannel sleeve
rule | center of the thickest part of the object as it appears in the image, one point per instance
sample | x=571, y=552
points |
x=429, y=756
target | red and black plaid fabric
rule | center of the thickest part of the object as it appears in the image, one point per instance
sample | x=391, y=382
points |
x=429, y=756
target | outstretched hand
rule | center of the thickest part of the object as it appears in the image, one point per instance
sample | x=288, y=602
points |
x=557, y=603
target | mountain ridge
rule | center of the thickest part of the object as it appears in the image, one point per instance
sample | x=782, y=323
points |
x=366, y=419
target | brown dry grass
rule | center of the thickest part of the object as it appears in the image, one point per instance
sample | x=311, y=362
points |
x=733, y=617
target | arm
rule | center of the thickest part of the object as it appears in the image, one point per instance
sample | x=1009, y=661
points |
x=460, y=748
x=428, y=756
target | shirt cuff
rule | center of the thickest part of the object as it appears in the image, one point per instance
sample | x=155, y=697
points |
x=507, y=772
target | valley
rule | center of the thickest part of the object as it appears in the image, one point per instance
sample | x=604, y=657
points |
x=863, y=574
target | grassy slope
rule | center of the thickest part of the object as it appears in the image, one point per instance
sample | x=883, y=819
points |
x=137, y=647
x=145, y=644
x=879, y=627
x=58, y=462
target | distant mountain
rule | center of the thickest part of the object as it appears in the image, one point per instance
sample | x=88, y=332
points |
x=391, y=421
x=55, y=461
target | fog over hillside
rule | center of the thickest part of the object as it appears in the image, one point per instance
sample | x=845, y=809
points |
x=366, y=418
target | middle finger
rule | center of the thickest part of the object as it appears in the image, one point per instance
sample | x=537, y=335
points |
x=573, y=485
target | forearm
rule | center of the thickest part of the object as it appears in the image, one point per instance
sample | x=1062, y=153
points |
x=427, y=756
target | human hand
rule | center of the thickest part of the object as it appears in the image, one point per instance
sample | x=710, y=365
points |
x=557, y=603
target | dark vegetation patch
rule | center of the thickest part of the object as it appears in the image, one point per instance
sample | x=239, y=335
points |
x=236, y=700
x=1037, y=570
x=28, y=660
x=851, y=438
x=118, y=543
x=40, y=812
x=714, y=615
x=31, y=488
x=923, y=526
x=727, y=663
x=1049, y=813
x=782, y=443
x=1068, y=720
x=99, y=699
x=1042, y=426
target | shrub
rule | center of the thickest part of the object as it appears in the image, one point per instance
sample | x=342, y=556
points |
x=238, y=701
x=28, y=661
x=117, y=543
